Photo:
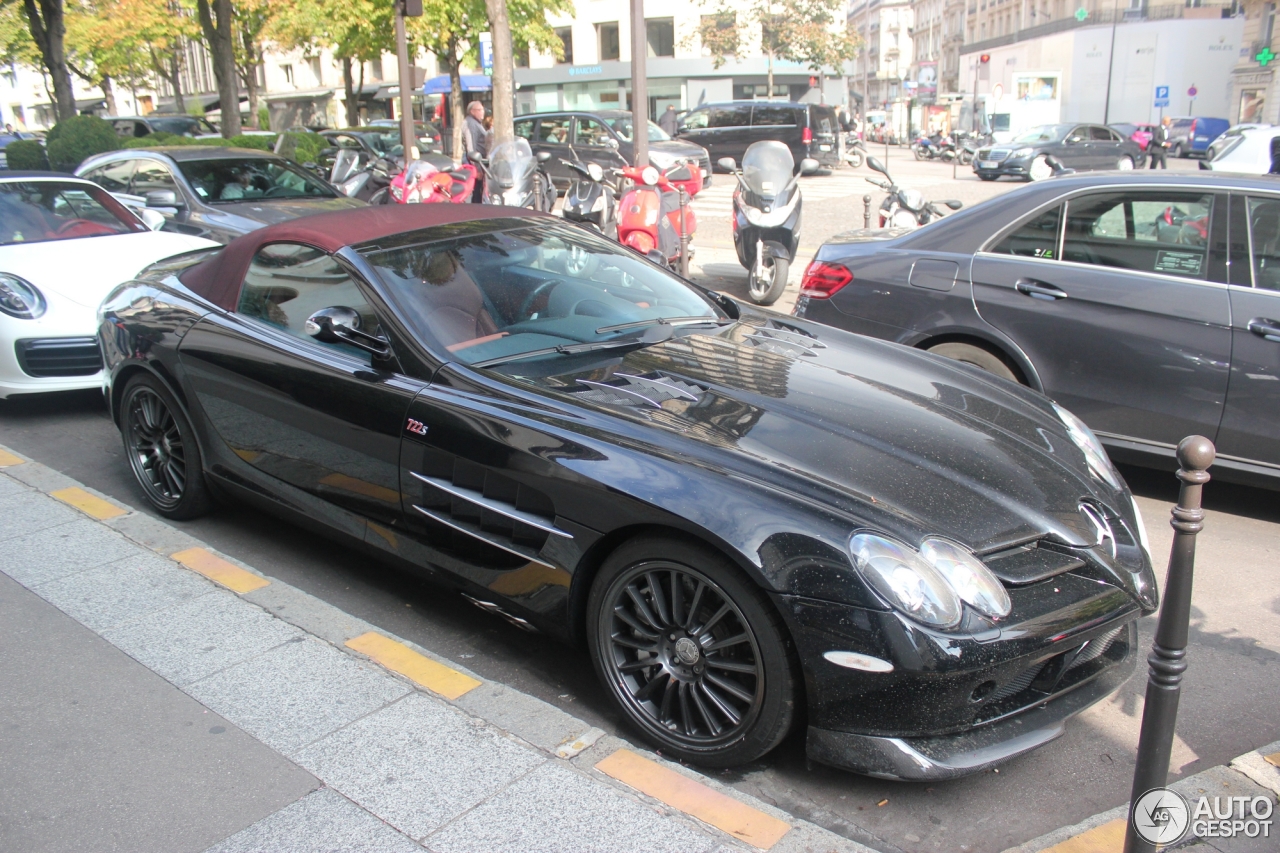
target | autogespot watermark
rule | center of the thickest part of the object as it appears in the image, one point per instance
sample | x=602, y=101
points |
x=1162, y=816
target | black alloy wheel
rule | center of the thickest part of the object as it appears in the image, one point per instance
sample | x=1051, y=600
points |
x=693, y=653
x=162, y=450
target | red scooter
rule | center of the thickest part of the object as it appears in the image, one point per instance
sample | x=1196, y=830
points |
x=654, y=216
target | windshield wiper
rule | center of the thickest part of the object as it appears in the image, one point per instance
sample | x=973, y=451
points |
x=656, y=335
x=663, y=321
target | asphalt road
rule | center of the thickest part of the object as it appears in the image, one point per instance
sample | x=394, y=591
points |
x=1230, y=704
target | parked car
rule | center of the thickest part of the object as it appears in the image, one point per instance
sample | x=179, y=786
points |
x=603, y=137
x=1245, y=149
x=727, y=130
x=64, y=244
x=178, y=124
x=218, y=193
x=1188, y=136
x=7, y=139
x=428, y=133
x=1140, y=133
x=1118, y=308
x=586, y=444
x=1076, y=146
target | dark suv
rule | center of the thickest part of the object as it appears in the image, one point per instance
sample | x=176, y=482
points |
x=726, y=130
x=602, y=137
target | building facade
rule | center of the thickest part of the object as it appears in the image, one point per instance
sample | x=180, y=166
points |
x=1254, y=97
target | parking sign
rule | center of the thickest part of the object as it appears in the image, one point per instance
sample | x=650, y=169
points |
x=1162, y=96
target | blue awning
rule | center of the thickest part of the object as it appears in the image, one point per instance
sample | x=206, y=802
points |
x=470, y=83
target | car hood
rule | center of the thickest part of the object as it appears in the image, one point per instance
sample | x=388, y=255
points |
x=677, y=147
x=84, y=270
x=890, y=435
x=271, y=211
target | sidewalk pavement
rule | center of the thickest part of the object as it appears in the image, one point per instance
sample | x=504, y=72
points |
x=158, y=696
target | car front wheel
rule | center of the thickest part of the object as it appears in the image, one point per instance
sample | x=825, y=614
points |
x=1125, y=164
x=1040, y=169
x=692, y=652
x=162, y=450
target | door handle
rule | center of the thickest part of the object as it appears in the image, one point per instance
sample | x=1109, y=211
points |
x=1265, y=328
x=1039, y=290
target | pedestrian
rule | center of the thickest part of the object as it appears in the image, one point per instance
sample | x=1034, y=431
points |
x=1159, y=142
x=475, y=142
x=8, y=128
x=667, y=121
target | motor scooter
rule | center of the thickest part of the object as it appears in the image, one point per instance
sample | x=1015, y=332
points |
x=855, y=150
x=514, y=177
x=902, y=207
x=355, y=179
x=654, y=215
x=766, y=216
x=591, y=199
x=432, y=180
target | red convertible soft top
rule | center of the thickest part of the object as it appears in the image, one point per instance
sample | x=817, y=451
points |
x=218, y=279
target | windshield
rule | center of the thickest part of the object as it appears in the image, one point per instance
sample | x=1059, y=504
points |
x=386, y=144
x=498, y=295
x=39, y=211
x=767, y=168
x=511, y=163
x=1043, y=133
x=228, y=180
x=625, y=128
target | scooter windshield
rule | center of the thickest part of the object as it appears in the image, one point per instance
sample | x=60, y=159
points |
x=511, y=164
x=766, y=169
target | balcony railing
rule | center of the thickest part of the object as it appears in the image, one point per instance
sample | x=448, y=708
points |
x=1096, y=17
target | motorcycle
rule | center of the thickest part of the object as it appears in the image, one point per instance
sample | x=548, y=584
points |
x=766, y=216
x=904, y=208
x=355, y=180
x=590, y=200
x=513, y=176
x=947, y=151
x=655, y=217
x=432, y=180
x=855, y=150
x=924, y=148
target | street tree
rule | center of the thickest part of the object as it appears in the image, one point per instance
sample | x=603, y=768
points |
x=103, y=48
x=46, y=22
x=252, y=19
x=216, y=24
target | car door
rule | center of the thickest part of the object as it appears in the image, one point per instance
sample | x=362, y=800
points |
x=154, y=181
x=1251, y=423
x=693, y=128
x=114, y=177
x=777, y=122
x=594, y=142
x=1120, y=320
x=729, y=128
x=1075, y=148
x=323, y=418
x=554, y=135
x=1104, y=147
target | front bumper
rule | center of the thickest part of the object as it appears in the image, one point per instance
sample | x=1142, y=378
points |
x=1009, y=167
x=942, y=757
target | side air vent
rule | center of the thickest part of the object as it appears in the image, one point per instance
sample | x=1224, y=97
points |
x=783, y=341
x=649, y=390
x=1030, y=563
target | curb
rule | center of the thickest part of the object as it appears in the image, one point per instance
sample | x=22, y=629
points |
x=637, y=773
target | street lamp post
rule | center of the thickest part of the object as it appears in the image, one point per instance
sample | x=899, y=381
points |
x=408, y=139
x=639, y=86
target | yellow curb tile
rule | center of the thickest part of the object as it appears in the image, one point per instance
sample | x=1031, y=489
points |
x=218, y=570
x=94, y=507
x=1272, y=759
x=398, y=657
x=694, y=798
x=1107, y=838
x=7, y=459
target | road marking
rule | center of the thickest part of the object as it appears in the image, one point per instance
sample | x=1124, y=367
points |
x=420, y=669
x=218, y=570
x=1107, y=838
x=7, y=459
x=694, y=798
x=92, y=506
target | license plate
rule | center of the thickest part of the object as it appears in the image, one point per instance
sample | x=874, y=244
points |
x=987, y=164
x=704, y=172
x=824, y=147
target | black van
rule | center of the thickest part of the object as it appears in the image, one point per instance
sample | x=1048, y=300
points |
x=726, y=130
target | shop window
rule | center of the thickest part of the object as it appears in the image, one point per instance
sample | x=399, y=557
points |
x=609, y=42
x=661, y=36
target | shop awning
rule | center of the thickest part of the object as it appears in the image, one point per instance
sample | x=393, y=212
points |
x=300, y=95
x=470, y=83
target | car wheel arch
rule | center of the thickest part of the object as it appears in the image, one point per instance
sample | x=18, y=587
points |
x=1004, y=350
x=126, y=372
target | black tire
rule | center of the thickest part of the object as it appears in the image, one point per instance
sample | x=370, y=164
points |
x=686, y=700
x=768, y=290
x=983, y=177
x=162, y=450
x=382, y=196
x=978, y=357
x=1176, y=151
x=854, y=159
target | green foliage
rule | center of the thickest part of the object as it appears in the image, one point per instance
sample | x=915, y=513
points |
x=26, y=155
x=302, y=147
x=72, y=140
x=809, y=32
x=258, y=141
x=264, y=118
x=195, y=108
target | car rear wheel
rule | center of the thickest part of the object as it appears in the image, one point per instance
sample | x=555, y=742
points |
x=1040, y=169
x=162, y=450
x=767, y=289
x=976, y=356
x=1125, y=164
x=691, y=651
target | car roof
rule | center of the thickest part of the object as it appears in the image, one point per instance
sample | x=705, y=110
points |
x=182, y=153
x=218, y=278
x=44, y=176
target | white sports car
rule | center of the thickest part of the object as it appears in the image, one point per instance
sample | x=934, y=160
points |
x=64, y=244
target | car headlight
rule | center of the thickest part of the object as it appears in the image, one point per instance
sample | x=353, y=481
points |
x=598, y=204
x=1088, y=443
x=912, y=199
x=1142, y=527
x=512, y=197
x=1021, y=152
x=753, y=215
x=20, y=298
x=904, y=578
x=968, y=576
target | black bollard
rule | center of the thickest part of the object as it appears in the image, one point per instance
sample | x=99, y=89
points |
x=1167, y=661
x=866, y=211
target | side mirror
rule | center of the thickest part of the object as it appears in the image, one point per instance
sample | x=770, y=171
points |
x=543, y=156
x=341, y=325
x=809, y=166
x=876, y=166
x=474, y=157
x=1073, y=140
x=954, y=204
x=610, y=142
x=164, y=198
x=657, y=257
x=153, y=219
x=728, y=164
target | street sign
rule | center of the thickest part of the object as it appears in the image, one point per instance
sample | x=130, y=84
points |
x=1192, y=92
x=1162, y=96
x=1081, y=14
x=486, y=53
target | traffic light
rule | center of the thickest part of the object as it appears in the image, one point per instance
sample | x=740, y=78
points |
x=813, y=81
x=984, y=58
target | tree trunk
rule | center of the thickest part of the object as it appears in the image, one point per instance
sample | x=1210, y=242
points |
x=48, y=29
x=109, y=92
x=348, y=88
x=769, y=96
x=171, y=70
x=456, y=115
x=249, y=75
x=503, y=71
x=219, y=36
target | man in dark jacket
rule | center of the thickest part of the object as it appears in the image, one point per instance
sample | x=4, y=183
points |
x=667, y=121
x=475, y=140
x=1157, y=147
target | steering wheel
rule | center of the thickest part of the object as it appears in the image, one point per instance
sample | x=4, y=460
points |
x=276, y=192
x=526, y=307
x=88, y=226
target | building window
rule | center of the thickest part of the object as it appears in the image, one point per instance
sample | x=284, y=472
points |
x=565, y=34
x=522, y=58
x=375, y=68
x=1268, y=23
x=662, y=36
x=609, y=43
x=314, y=62
x=288, y=74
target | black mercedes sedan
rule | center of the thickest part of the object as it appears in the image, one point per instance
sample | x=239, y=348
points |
x=1148, y=305
x=1077, y=146
x=753, y=522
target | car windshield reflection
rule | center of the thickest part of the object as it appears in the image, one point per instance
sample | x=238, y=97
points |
x=1044, y=133
x=545, y=291
x=229, y=180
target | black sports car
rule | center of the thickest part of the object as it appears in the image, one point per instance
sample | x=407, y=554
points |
x=752, y=521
